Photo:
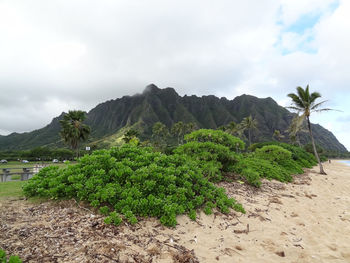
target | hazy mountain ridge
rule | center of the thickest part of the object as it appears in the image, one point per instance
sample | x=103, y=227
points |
x=166, y=106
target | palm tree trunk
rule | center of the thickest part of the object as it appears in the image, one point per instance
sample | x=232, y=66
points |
x=250, y=142
x=314, y=147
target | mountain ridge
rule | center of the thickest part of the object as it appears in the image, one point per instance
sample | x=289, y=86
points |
x=167, y=106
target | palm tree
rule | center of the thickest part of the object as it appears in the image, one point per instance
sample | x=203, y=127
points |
x=278, y=135
x=160, y=132
x=232, y=128
x=73, y=130
x=190, y=127
x=304, y=102
x=178, y=130
x=250, y=124
x=130, y=135
x=295, y=127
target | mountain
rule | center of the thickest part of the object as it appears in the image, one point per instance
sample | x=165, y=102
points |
x=110, y=119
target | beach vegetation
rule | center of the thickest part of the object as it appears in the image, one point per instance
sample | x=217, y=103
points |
x=249, y=123
x=12, y=259
x=133, y=182
x=304, y=103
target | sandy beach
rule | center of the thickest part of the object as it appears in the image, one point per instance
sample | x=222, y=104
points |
x=304, y=221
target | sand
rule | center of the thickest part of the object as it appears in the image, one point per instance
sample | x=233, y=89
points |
x=304, y=221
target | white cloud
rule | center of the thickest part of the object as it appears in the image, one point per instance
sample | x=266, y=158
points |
x=58, y=55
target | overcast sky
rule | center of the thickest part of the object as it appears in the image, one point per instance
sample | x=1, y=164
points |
x=59, y=55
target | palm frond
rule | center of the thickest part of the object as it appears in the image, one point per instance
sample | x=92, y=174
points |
x=325, y=109
x=296, y=100
x=318, y=104
x=314, y=96
x=295, y=108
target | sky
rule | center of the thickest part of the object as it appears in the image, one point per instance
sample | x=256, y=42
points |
x=60, y=55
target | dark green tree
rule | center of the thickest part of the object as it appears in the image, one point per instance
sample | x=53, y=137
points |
x=277, y=135
x=305, y=103
x=73, y=129
x=160, y=133
x=250, y=124
x=130, y=134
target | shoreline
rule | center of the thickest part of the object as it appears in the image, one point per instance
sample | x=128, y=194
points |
x=304, y=221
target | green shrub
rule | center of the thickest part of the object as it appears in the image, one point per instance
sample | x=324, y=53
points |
x=264, y=168
x=212, y=158
x=273, y=153
x=302, y=157
x=12, y=259
x=133, y=181
x=218, y=137
x=251, y=176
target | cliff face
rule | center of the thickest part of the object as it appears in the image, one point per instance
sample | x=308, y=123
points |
x=166, y=106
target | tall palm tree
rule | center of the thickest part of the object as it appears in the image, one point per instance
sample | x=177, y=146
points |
x=232, y=128
x=304, y=102
x=249, y=123
x=178, y=130
x=278, y=135
x=130, y=135
x=296, y=127
x=160, y=132
x=73, y=130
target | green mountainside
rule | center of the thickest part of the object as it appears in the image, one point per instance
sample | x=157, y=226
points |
x=141, y=111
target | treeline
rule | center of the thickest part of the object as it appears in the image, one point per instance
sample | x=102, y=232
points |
x=166, y=139
x=38, y=154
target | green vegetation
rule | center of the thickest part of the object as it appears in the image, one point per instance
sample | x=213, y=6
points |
x=214, y=150
x=11, y=189
x=11, y=259
x=134, y=181
x=74, y=130
x=131, y=181
x=250, y=124
x=38, y=154
x=305, y=103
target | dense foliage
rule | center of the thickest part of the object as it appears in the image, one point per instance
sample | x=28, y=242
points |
x=132, y=181
x=299, y=155
x=38, y=153
x=11, y=259
x=273, y=160
x=213, y=150
x=218, y=137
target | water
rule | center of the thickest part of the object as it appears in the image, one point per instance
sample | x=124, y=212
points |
x=346, y=162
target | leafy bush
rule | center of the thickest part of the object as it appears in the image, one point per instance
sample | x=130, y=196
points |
x=281, y=156
x=214, y=150
x=273, y=161
x=252, y=176
x=132, y=181
x=273, y=153
x=302, y=157
x=264, y=169
x=212, y=158
x=218, y=137
x=12, y=259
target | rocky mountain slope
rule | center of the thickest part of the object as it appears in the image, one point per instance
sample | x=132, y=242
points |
x=165, y=105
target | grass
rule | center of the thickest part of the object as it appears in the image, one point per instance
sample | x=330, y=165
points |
x=11, y=189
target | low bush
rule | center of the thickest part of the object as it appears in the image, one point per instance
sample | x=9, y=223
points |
x=11, y=259
x=264, y=169
x=132, y=181
x=302, y=157
x=218, y=137
x=212, y=158
x=273, y=153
